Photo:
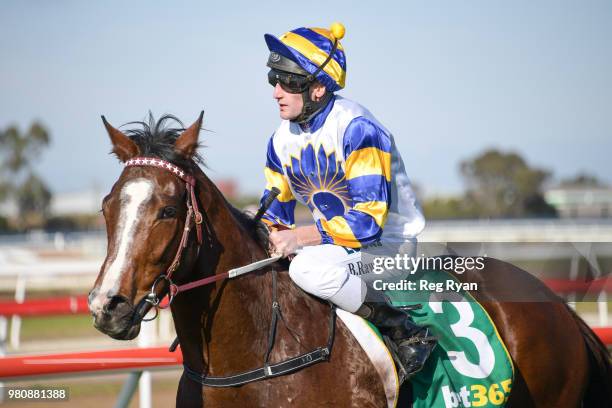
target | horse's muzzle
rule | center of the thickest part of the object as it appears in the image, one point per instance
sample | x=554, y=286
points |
x=116, y=319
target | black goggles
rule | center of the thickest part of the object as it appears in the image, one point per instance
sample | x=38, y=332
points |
x=292, y=83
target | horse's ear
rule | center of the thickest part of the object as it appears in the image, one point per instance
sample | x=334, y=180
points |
x=187, y=143
x=123, y=147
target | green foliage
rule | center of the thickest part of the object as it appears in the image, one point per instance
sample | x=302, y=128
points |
x=503, y=185
x=448, y=208
x=33, y=199
x=4, y=225
x=18, y=153
x=21, y=150
x=5, y=187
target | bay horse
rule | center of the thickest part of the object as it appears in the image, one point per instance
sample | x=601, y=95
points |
x=223, y=328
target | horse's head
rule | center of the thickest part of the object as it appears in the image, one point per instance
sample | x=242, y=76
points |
x=145, y=215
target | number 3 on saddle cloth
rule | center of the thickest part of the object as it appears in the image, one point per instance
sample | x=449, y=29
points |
x=470, y=367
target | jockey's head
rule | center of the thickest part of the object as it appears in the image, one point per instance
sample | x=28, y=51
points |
x=306, y=66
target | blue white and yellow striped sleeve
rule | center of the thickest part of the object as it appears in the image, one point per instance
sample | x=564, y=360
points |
x=283, y=208
x=367, y=154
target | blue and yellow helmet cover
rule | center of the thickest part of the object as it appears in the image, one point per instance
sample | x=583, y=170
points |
x=309, y=48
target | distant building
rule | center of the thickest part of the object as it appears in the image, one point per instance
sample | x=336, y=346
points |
x=82, y=202
x=89, y=201
x=581, y=201
x=77, y=202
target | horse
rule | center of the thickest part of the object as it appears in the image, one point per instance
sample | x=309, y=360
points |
x=158, y=224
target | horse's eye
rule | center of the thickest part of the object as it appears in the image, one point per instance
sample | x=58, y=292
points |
x=168, y=212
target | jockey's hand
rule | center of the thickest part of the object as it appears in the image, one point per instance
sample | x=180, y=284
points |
x=284, y=242
x=287, y=241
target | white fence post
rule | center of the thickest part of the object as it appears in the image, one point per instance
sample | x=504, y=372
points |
x=602, y=308
x=20, y=289
x=165, y=331
x=145, y=339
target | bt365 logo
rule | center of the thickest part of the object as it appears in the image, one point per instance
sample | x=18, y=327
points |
x=477, y=396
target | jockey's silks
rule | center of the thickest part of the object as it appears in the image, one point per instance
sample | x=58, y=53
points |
x=344, y=165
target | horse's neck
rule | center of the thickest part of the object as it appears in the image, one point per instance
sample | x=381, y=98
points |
x=237, y=244
x=216, y=317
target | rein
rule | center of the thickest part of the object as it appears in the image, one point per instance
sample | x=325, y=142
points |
x=194, y=216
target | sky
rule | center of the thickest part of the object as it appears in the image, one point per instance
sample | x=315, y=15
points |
x=449, y=79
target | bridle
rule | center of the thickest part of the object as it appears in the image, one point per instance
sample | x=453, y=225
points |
x=194, y=216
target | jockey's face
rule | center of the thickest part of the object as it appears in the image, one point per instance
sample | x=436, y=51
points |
x=290, y=104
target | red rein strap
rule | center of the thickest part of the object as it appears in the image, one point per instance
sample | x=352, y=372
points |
x=176, y=289
x=193, y=212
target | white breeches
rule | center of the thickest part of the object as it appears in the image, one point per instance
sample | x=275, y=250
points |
x=340, y=274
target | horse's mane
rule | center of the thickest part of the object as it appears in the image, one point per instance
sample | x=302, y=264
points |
x=156, y=138
x=257, y=229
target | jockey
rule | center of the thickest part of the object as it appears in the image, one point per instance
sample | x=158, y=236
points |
x=332, y=155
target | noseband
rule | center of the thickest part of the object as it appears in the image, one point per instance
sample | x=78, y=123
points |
x=193, y=217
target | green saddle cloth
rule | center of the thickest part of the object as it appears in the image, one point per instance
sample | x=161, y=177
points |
x=470, y=367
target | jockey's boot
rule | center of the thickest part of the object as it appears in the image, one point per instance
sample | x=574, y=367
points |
x=411, y=343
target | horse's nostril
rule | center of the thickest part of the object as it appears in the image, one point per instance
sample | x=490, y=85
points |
x=113, y=303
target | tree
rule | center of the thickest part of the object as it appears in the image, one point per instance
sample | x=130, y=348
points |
x=33, y=199
x=503, y=185
x=5, y=187
x=18, y=153
x=438, y=208
x=21, y=150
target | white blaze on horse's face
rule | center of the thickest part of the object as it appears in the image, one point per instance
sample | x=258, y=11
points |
x=133, y=196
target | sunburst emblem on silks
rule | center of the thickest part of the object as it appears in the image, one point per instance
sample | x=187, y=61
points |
x=319, y=179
